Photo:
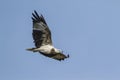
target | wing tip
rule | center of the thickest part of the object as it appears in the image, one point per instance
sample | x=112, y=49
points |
x=62, y=59
x=38, y=18
x=68, y=56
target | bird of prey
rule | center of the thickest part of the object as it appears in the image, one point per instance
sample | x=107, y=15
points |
x=42, y=39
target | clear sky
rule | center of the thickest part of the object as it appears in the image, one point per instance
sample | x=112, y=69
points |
x=87, y=30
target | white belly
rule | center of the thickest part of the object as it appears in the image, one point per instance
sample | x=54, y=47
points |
x=46, y=49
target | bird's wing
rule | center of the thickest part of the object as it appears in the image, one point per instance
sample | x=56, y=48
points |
x=41, y=32
x=57, y=56
x=60, y=56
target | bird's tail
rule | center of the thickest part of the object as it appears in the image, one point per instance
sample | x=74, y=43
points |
x=31, y=49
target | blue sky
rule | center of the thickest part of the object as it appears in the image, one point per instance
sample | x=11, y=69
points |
x=87, y=30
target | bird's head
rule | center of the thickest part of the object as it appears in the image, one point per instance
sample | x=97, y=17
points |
x=60, y=51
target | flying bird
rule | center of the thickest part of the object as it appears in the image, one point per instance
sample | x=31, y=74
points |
x=42, y=39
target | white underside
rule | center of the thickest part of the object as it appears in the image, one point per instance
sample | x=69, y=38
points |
x=46, y=49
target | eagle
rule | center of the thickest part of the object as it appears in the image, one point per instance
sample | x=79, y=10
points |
x=42, y=39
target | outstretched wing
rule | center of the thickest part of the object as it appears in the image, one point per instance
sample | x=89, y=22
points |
x=60, y=56
x=41, y=32
x=57, y=56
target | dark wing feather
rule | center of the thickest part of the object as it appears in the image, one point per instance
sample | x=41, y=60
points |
x=41, y=33
x=60, y=56
x=57, y=56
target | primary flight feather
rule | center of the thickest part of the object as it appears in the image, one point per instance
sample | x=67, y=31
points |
x=42, y=39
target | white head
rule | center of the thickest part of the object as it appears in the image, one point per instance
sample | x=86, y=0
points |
x=58, y=50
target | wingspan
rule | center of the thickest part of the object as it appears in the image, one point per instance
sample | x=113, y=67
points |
x=41, y=32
